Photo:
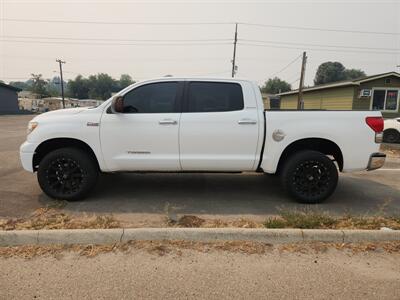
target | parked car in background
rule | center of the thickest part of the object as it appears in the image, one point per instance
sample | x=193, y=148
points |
x=199, y=125
x=391, y=133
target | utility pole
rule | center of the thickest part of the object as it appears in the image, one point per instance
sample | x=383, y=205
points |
x=60, y=62
x=300, y=101
x=234, y=67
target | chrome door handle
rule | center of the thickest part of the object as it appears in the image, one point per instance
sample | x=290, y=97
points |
x=247, y=122
x=167, y=122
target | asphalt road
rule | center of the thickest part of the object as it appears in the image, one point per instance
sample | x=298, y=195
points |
x=196, y=275
x=144, y=199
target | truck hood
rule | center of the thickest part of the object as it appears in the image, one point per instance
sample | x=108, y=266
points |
x=61, y=112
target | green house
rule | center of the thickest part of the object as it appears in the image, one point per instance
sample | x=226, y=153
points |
x=378, y=92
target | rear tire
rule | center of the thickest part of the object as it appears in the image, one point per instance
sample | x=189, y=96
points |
x=391, y=136
x=309, y=176
x=68, y=174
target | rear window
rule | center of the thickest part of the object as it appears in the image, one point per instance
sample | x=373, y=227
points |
x=215, y=97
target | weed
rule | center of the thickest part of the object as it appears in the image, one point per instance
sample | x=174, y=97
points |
x=301, y=219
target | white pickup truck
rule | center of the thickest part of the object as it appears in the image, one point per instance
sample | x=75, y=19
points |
x=199, y=125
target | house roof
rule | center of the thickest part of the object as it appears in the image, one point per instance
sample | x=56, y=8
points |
x=354, y=82
x=7, y=86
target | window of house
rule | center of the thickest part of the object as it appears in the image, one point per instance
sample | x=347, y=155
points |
x=387, y=81
x=385, y=99
x=215, y=97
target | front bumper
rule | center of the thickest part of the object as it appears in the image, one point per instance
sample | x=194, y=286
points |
x=26, y=152
x=376, y=161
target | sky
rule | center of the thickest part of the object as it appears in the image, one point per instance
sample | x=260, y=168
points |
x=154, y=38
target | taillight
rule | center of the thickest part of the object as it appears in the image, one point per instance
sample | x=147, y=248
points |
x=376, y=123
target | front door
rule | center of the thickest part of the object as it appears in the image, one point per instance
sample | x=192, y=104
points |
x=145, y=136
x=218, y=131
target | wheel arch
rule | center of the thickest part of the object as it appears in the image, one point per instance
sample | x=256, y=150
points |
x=392, y=129
x=56, y=143
x=322, y=145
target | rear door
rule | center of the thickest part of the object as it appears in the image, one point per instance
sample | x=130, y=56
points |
x=219, y=127
x=145, y=136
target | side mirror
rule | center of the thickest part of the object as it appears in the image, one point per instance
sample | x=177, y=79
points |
x=117, y=105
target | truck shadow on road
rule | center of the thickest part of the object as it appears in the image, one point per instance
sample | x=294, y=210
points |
x=225, y=194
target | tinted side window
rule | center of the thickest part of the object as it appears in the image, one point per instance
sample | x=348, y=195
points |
x=214, y=97
x=152, y=98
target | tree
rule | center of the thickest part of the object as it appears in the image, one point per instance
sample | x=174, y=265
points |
x=21, y=85
x=124, y=81
x=53, y=87
x=101, y=86
x=354, y=73
x=329, y=72
x=39, y=85
x=275, y=86
x=78, y=88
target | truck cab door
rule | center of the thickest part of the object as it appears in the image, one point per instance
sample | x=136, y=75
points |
x=219, y=128
x=145, y=136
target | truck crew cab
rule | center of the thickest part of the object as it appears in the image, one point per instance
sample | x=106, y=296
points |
x=199, y=125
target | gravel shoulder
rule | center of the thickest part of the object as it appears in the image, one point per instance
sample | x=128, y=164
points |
x=213, y=274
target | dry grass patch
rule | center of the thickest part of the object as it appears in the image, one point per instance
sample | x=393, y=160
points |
x=161, y=248
x=50, y=218
x=320, y=247
x=301, y=219
x=307, y=219
x=390, y=151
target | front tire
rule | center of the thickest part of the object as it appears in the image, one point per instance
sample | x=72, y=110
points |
x=309, y=176
x=67, y=174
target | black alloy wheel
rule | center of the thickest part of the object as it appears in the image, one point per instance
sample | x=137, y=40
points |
x=310, y=176
x=67, y=173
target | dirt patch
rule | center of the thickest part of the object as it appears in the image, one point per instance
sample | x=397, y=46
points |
x=189, y=221
x=194, y=221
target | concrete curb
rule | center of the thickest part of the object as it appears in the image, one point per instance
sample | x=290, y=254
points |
x=272, y=236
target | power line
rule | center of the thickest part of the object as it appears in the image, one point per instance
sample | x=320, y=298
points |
x=319, y=49
x=118, y=44
x=319, y=45
x=320, y=29
x=124, y=59
x=200, y=23
x=115, y=23
x=285, y=67
x=193, y=44
x=194, y=41
x=294, y=81
x=207, y=2
x=115, y=40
